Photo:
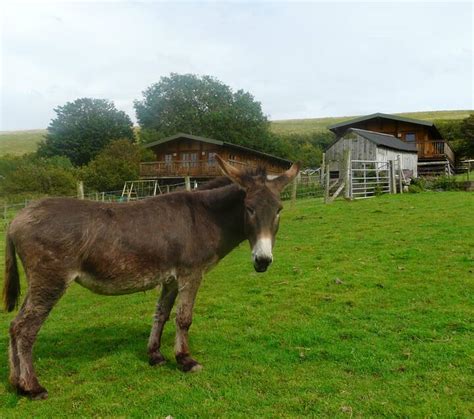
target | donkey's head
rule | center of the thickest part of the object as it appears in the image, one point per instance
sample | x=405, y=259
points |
x=262, y=208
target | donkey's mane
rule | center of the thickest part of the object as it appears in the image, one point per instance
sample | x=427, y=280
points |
x=259, y=172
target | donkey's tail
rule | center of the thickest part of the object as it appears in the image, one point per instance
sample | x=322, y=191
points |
x=11, y=286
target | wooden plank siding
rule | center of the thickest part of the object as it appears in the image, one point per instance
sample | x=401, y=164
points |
x=363, y=149
x=429, y=147
x=190, y=157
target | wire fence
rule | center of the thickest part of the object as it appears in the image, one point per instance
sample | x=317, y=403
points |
x=307, y=186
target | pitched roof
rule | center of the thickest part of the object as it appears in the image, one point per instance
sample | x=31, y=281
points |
x=380, y=115
x=217, y=142
x=384, y=140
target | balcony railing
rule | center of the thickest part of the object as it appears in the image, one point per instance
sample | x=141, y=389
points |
x=435, y=149
x=180, y=168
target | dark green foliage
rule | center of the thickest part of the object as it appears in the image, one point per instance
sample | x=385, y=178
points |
x=202, y=106
x=118, y=162
x=84, y=127
x=439, y=183
x=307, y=147
x=445, y=183
x=32, y=175
x=451, y=130
x=467, y=130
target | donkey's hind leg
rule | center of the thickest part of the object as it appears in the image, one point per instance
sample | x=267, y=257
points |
x=39, y=301
x=169, y=291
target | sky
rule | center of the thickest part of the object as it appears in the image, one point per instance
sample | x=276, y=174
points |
x=299, y=59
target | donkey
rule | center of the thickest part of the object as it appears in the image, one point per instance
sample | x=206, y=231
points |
x=113, y=249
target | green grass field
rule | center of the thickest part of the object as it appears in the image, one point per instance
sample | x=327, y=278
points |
x=20, y=142
x=305, y=126
x=367, y=311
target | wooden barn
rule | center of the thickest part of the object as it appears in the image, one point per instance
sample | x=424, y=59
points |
x=185, y=155
x=372, y=146
x=434, y=153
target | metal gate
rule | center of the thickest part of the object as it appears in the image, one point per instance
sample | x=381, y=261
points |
x=370, y=178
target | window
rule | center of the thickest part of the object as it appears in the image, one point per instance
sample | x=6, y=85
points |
x=168, y=159
x=410, y=137
x=189, y=159
x=211, y=159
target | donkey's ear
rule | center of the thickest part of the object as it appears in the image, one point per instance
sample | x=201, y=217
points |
x=234, y=174
x=284, y=179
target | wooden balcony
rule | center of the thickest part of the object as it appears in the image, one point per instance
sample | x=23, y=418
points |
x=182, y=168
x=435, y=150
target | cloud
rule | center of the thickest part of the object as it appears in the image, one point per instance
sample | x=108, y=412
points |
x=298, y=59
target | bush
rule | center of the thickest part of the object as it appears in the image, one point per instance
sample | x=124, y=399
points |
x=446, y=183
x=115, y=164
x=31, y=175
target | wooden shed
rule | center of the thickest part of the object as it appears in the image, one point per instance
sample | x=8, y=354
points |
x=435, y=155
x=189, y=155
x=372, y=146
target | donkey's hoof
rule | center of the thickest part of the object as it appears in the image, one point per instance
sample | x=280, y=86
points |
x=191, y=366
x=39, y=393
x=157, y=359
x=196, y=368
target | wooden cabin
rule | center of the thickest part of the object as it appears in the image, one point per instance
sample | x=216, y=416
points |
x=372, y=146
x=184, y=155
x=431, y=147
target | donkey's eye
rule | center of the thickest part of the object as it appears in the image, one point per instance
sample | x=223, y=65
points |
x=250, y=210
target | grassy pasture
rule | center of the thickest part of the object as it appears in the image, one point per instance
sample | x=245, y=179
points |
x=20, y=142
x=367, y=311
x=306, y=126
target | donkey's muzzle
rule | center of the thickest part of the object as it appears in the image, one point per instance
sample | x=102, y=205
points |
x=261, y=264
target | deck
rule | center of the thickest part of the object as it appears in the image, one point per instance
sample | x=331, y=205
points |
x=434, y=150
x=183, y=168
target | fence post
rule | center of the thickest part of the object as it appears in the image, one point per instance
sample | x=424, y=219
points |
x=400, y=184
x=103, y=196
x=80, y=189
x=294, y=187
x=326, y=188
x=187, y=182
x=393, y=184
x=347, y=173
x=321, y=172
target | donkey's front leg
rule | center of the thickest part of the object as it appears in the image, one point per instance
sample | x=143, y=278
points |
x=188, y=287
x=169, y=291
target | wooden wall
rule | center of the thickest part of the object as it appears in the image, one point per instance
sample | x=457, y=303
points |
x=178, y=151
x=363, y=149
x=397, y=128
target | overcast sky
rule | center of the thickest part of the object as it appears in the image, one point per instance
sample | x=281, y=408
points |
x=300, y=60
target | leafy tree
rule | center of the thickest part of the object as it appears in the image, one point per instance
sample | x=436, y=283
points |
x=118, y=162
x=82, y=128
x=32, y=175
x=202, y=106
x=467, y=130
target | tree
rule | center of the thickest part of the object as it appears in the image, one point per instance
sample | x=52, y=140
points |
x=82, y=128
x=467, y=129
x=118, y=162
x=202, y=106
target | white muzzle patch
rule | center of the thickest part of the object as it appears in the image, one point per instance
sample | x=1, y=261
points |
x=262, y=249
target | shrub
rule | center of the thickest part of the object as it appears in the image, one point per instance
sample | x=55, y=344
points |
x=30, y=175
x=115, y=164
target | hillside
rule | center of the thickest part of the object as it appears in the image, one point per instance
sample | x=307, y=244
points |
x=21, y=142
x=302, y=126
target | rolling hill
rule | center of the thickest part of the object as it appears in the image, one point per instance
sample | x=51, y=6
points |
x=21, y=142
